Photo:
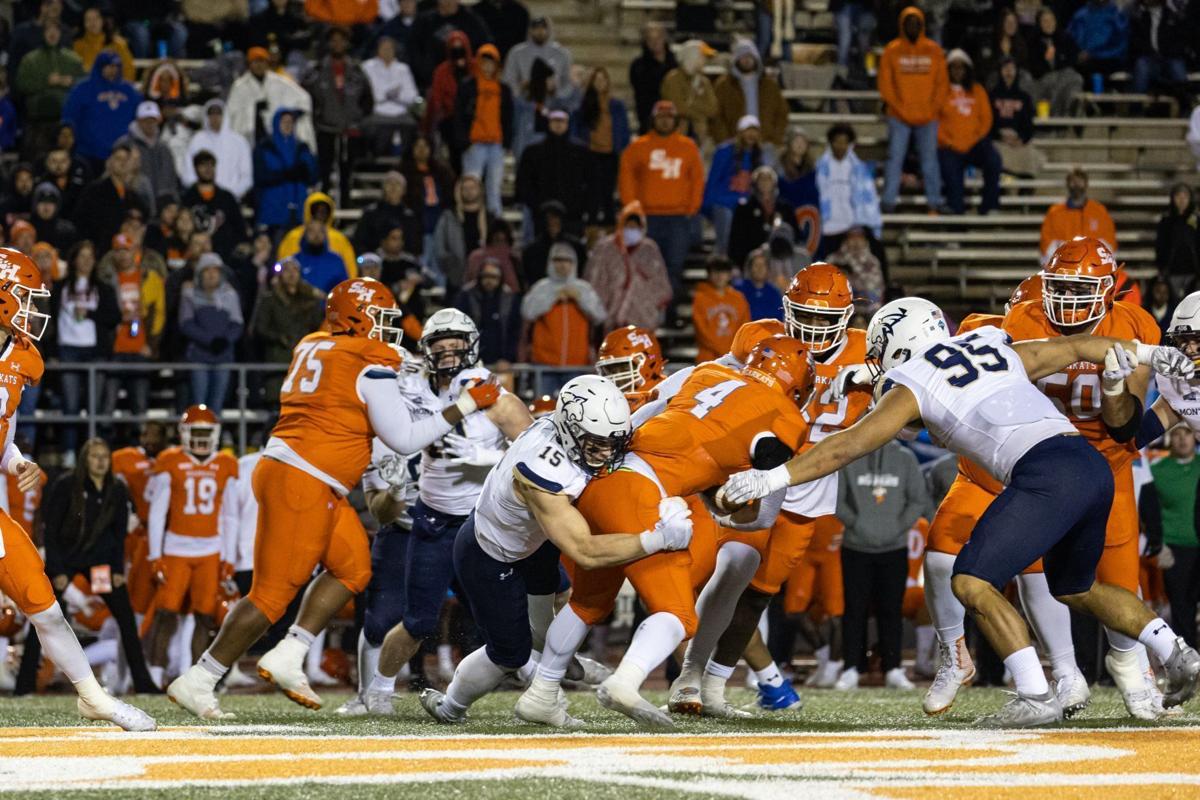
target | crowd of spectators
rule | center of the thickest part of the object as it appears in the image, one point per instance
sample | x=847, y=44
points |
x=200, y=214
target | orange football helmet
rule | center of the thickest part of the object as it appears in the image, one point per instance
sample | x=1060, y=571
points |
x=542, y=406
x=199, y=431
x=783, y=364
x=20, y=284
x=1078, y=282
x=820, y=291
x=750, y=334
x=364, y=307
x=631, y=358
x=1028, y=289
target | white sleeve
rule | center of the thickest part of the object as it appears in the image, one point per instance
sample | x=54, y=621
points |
x=227, y=521
x=392, y=421
x=10, y=448
x=158, y=492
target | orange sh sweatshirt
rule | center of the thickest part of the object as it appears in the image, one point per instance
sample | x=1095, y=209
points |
x=965, y=119
x=664, y=173
x=1063, y=223
x=912, y=75
x=561, y=336
x=716, y=315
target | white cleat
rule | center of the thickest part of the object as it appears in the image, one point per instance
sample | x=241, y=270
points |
x=544, y=703
x=829, y=675
x=1073, y=694
x=354, y=707
x=685, y=695
x=897, y=679
x=1025, y=711
x=281, y=667
x=1182, y=670
x=956, y=671
x=434, y=703
x=717, y=707
x=121, y=714
x=847, y=681
x=192, y=692
x=1137, y=696
x=617, y=696
x=594, y=672
x=378, y=703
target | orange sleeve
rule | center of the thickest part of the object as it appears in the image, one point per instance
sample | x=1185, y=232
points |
x=886, y=82
x=1108, y=229
x=941, y=80
x=626, y=178
x=1047, y=232
x=983, y=113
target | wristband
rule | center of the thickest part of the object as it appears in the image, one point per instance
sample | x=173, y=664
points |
x=466, y=404
x=1145, y=352
x=778, y=478
x=652, y=541
x=1118, y=388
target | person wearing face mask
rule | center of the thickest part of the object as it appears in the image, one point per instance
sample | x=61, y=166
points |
x=561, y=309
x=1078, y=215
x=629, y=274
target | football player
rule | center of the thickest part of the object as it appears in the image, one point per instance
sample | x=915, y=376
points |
x=973, y=393
x=132, y=465
x=720, y=421
x=340, y=392
x=413, y=572
x=1078, y=296
x=22, y=573
x=192, y=532
x=631, y=358
x=508, y=549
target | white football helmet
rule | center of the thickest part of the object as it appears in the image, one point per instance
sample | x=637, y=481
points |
x=593, y=423
x=1184, y=330
x=901, y=328
x=450, y=323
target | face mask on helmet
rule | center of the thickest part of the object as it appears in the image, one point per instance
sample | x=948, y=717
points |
x=818, y=329
x=450, y=353
x=624, y=371
x=1186, y=341
x=597, y=454
x=1071, y=300
x=28, y=320
x=199, y=440
x=386, y=325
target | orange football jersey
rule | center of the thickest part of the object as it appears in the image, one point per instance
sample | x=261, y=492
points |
x=1076, y=390
x=20, y=366
x=23, y=506
x=966, y=467
x=706, y=432
x=132, y=465
x=197, y=488
x=321, y=416
x=828, y=417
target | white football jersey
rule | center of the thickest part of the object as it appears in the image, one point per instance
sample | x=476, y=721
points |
x=977, y=401
x=450, y=488
x=372, y=481
x=505, y=528
x=1184, y=403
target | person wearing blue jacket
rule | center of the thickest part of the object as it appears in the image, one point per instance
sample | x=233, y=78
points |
x=1101, y=32
x=100, y=108
x=729, y=178
x=319, y=266
x=762, y=295
x=284, y=168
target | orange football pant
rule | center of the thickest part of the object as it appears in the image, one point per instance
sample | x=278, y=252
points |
x=22, y=571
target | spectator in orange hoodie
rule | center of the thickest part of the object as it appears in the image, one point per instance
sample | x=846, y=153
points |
x=912, y=83
x=1076, y=216
x=483, y=114
x=964, y=128
x=561, y=310
x=718, y=310
x=662, y=170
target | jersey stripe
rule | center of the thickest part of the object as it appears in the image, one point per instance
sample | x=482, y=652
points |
x=538, y=480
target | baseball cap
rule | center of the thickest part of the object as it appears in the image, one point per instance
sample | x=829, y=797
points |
x=148, y=109
x=558, y=113
x=748, y=121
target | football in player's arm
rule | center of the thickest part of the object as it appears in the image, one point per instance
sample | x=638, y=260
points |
x=898, y=408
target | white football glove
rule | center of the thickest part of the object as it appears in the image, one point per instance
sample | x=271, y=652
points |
x=1166, y=361
x=673, y=531
x=1119, y=364
x=855, y=376
x=463, y=451
x=394, y=471
x=753, y=484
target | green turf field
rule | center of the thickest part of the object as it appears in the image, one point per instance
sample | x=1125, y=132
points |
x=856, y=745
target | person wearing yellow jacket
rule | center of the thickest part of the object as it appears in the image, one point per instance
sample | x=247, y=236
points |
x=320, y=206
x=964, y=128
x=913, y=85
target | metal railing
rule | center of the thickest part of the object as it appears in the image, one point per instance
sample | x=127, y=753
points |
x=244, y=412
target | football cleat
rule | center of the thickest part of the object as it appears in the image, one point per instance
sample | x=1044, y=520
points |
x=847, y=681
x=897, y=679
x=434, y=703
x=193, y=692
x=1073, y=693
x=956, y=671
x=685, y=696
x=778, y=698
x=1182, y=670
x=121, y=714
x=1025, y=711
x=717, y=707
x=283, y=666
x=829, y=674
x=354, y=707
x=544, y=703
x=618, y=696
x=378, y=703
x=1138, y=699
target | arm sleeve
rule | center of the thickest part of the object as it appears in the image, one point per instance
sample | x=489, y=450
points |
x=391, y=419
x=11, y=451
x=158, y=491
x=227, y=522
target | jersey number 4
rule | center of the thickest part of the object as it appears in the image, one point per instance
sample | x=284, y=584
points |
x=708, y=399
x=308, y=363
x=201, y=494
x=968, y=359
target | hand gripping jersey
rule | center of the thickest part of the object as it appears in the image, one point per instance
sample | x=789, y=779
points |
x=709, y=429
x=450, y=488
x=819, y=497
x=505, y=528
x=1076, y=390
x=372, y=481
x=323, y=426
x=132, y=465
x=193, y=505
x=976, y=399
